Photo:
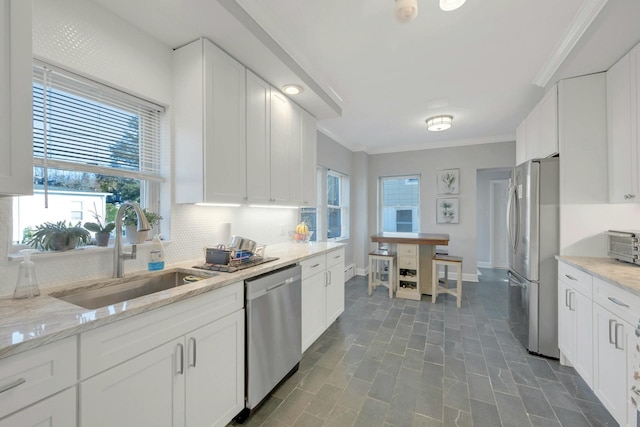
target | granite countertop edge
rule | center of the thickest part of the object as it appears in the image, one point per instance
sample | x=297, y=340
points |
x=28, y=324
x=624, y=275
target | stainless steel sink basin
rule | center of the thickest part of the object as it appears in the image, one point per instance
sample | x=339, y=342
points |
x=128, y=290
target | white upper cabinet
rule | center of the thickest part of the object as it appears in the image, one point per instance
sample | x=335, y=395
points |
x=309, y=147
x=295, y=155
x=280, y=141
x=258, y=139
x=537, y=135
x=210, y=125
x=623, y=93
x=16, y=143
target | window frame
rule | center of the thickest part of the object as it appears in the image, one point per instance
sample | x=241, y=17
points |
x=380, y=201
x=343, y=206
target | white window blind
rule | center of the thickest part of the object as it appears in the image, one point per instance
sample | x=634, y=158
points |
x=82, y=125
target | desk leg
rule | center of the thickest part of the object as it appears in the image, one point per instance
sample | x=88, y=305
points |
x=426, y=257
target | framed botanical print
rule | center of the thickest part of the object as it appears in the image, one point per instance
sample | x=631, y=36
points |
x=449, y=181
x=448, y=211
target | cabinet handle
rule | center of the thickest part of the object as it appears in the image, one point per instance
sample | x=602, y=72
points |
x=619, y=347
x=570, y=277
x=330, y=278
x=571, y=307
x=611, y=322
x=192, y=351
x=314, y=266
x=336, y=257
x=629, y=196
x=566, y=297
x=14, y=384
x=181, y=356
x=618, y=302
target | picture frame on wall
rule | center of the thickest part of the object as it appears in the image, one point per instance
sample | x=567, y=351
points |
x=448, y=181
x=447, y=211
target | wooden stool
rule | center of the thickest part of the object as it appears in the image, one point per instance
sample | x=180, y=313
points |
x=446, y=261
x=377, y=259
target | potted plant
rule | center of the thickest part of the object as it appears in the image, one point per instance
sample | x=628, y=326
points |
x=130, y=222
x=58, y=236
x=102, y=231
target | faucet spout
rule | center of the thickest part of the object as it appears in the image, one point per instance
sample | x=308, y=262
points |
x=119, y=255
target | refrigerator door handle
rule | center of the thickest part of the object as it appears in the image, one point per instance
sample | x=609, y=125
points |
x=513, y=229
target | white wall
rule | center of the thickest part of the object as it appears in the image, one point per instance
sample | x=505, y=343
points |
x=426, y=163
x=585, y=211
x=83, y=37
x=483, y=211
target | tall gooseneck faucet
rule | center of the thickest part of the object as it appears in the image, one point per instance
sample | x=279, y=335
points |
x=119, y=254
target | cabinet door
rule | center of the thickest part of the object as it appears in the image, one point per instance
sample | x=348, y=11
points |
x=622, y=146
x=145, y=391
x=280, y=137
x=225, y=127
x=335, y=292
x=313, y=308
x=309, y=154
x=583, y=317
x=549, y=123
x=533, y=133
x=215, y=372
x=295, y=154
x=566, y=323
x=56, y=411
x=258, y=132
x=16, y=149
x=610, y=382
x=521, y=143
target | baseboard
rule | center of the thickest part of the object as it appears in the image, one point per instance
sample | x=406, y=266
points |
x=349, y=271
x=484, y=264
x=362, y=271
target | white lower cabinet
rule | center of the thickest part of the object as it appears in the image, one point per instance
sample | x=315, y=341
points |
x=611, y=339
x=56, y=411
x=322, y=294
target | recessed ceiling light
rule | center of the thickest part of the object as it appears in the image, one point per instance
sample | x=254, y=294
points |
x=439, y=123
x=449, y=5
x=292, y=89
x=406, y=10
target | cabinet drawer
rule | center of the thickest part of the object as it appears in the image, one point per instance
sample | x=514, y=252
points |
x=35, y=374
x=577, y=279
x=618, y=301
x=335, y=257
x=110, y=345
x=313, y=265
x=407, y=250
x=407, y=262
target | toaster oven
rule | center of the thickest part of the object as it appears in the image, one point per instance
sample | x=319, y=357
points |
x=623, y=245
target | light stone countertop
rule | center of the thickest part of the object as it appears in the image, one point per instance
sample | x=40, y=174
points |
x=27, y=324
x=622, y=274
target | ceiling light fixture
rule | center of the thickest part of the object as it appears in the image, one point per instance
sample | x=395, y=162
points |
x=406, y=10
x=292, y=89
x=439, y=123
x=449, y=5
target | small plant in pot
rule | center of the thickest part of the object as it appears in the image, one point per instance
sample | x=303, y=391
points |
x=130, y=222
x=103, y=231
x=58, y=236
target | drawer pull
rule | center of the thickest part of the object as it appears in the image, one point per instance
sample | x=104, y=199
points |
x=314, y=266
x=14, y=384
x=337, y=256
x=570, y=277
x=618, y=302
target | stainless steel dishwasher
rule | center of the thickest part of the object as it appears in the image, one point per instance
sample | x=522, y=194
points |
x=273, y=331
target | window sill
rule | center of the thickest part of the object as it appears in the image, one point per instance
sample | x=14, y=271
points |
x=84, y=250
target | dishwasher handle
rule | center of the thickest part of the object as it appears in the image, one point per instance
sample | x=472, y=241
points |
x=286, y=282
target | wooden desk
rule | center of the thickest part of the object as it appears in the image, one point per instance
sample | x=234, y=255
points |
x=415, y=252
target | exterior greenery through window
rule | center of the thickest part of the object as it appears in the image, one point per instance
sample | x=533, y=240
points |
x=399, y=204
x=93, y=146
x=333, y=221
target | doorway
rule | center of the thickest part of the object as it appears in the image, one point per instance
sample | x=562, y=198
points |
x=491, y=210
x=499, y=193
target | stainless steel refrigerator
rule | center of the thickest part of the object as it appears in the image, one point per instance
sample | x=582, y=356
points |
x=533, y=229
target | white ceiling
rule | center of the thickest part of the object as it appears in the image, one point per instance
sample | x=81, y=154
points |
x=477, y=63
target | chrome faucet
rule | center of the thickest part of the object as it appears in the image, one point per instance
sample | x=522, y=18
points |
x=119, y=254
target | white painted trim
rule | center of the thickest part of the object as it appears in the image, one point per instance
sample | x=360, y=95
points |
x=442, y=144
x=349, y=271
x=580, y=23
x=362, y=271
x=492, y=234
x=484, y=264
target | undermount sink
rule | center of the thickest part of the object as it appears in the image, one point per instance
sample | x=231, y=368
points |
x=128, y=290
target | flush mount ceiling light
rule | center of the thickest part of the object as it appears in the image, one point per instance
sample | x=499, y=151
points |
x=406, y=10
x=449, y=5
x=439, y=123
x=292, y=89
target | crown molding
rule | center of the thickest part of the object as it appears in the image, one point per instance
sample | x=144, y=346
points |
x=442, y=144
x=580, y=23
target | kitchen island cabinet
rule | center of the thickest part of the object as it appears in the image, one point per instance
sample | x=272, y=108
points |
x=16, y=142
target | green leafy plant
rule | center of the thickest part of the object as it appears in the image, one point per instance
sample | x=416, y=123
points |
x=448, y=179
x=130, y=217
x=98, y=226
x=58, y=236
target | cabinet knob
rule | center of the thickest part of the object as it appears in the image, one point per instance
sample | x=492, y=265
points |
x=629, y=196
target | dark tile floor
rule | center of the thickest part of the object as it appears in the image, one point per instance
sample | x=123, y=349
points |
x=412, y=363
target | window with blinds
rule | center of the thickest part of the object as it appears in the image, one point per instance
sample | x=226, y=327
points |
x=94, y=146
